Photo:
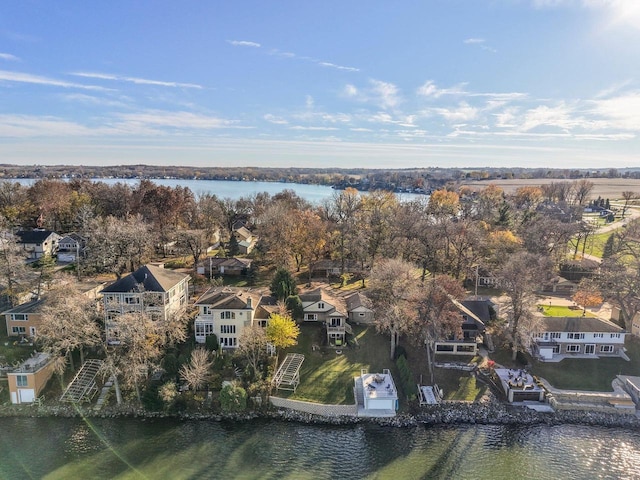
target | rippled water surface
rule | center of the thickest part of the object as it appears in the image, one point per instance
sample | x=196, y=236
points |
x=132, y=448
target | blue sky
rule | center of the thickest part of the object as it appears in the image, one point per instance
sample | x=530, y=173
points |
x=462, y=83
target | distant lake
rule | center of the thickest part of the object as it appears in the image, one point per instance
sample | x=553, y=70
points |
x=234, y=189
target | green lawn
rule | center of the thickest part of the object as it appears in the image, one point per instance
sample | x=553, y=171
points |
x=561, y=311
x=590, y=374
x=327, y=377
x=595, y=244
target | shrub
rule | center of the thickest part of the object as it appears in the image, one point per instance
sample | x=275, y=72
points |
x=211, y=343
x=406, y=377
x=170, y=364
x=400, y=352
x=233, y=399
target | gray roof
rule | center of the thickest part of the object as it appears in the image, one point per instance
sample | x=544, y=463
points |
x=228, y=297
x=147, y=278
x=34, y=236
x=29, y=307
x=579, y=324
x=358, y=300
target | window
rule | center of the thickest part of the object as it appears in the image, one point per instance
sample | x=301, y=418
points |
x=615, y=335
x=573, y=348
x=18, y=316
x=228, y=341
x=228, y=315
x=336, y=322
x=132, y=300
x=310, y=316
x=321, y=305
x=598, y=335
x=206, y=310
x=18, y=330
x=227, y=329
x=556, y=349
x=606, y=348
x=555, y=335
x=262, y=323
x=21, y=381
x=361, y=314
x=575, y=336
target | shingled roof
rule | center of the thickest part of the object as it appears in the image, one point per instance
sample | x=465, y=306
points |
x=147, y=278
x=33, y=236
x=579, y=324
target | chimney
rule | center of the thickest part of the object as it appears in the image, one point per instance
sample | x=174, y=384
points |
x=249, y=303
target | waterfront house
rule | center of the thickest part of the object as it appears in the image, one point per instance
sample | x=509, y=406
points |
x=70, y=246
x=319, y=306
x=151, y=289
x=359, y=309
x=38, y=242
x=223, y=266
x=246, y=240
x=24, y=320
x=226, y=312
x=28, y=379
x=583, y=337
x=465, y=340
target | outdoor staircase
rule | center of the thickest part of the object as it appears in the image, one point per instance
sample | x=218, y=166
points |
x=83, y=387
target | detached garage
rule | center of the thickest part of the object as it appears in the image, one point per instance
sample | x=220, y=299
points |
x=29, y=379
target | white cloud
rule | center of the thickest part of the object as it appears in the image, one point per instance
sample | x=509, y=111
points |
x=24, y=126
x=160, y=118
x=430, y=89
x=350, y=90
x=136, y=80
x=19, y=77
x=462, y=113
x=612, y=12
x=474, y=40
x=309, y=102
x=274, y=119
x=8, y=57
x=313, y=128
x=243, y=43
x=622, y=112
x=338, y=67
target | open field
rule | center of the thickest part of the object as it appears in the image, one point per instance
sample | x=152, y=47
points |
x=611, y=188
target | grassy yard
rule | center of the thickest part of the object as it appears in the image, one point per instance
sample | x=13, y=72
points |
x=327, y=377
x=580, y=373
x=588, y=374
x=561, y=311
x=595, y=244
x=456, y=384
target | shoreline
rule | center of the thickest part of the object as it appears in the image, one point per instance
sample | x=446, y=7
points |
x=452, y=413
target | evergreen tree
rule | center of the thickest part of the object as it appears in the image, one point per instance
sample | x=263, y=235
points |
x=232, y=247
x=607, y=251
x=283, y=284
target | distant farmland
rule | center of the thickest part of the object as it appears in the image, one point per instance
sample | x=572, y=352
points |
x=611, y=188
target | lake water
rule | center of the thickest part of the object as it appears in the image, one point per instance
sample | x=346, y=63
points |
x=234, y=190
x=55, y=448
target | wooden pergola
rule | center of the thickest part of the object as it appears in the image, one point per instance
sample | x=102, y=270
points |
x=288, y=375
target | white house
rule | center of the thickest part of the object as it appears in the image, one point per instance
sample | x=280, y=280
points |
x=38, y=242
x=151, y=289
x=319, y=306
x=226, y=312
x=561, y=337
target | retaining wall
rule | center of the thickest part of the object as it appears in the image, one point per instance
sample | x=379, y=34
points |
x=315, y=408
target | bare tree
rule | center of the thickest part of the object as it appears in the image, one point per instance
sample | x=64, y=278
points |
x=69, y=324
x=438, y=315
x=520, y=277
x=196, y=372
x=14, y=276
x=194, y=243
x=253, y=346
x=627, y=196
x=392, y=287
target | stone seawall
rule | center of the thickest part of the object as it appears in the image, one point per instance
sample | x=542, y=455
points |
x=487, y=412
